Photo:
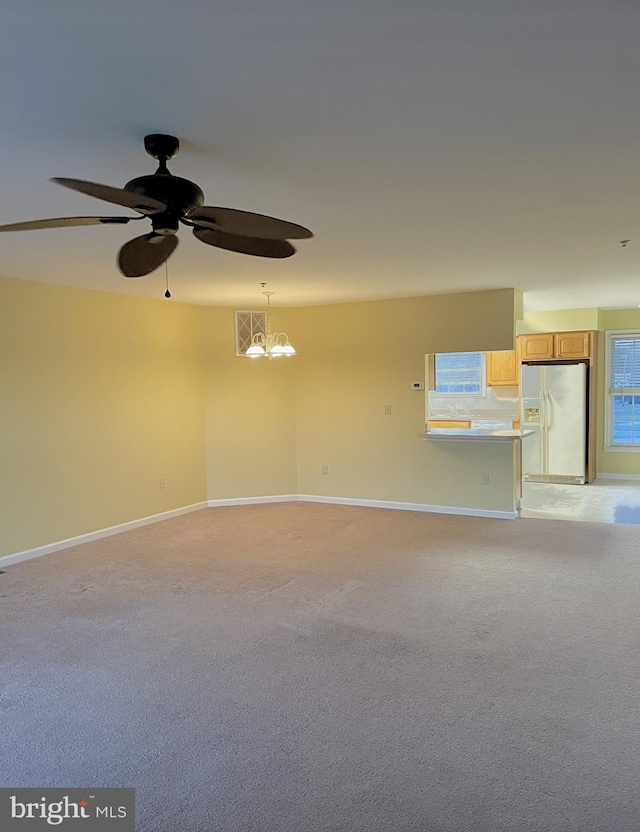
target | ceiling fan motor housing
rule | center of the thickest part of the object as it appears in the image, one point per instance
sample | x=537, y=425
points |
x=181, y=196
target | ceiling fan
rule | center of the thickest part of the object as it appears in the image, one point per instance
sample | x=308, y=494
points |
x=169, y=201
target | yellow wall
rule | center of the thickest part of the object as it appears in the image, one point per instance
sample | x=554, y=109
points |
x=619, y=319
x=353, y=360
x=101, y=396
x=104, y=395
x=251, y=430
x=614, y=462
x=559, y=320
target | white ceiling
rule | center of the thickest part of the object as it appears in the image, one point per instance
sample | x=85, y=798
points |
x=433, y=146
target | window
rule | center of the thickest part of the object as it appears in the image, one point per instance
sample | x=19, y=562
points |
x=248, y=324
x=460, y=372
x=623, y=385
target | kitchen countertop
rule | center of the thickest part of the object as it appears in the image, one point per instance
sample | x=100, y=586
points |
x=475, y=435
x=491, y=414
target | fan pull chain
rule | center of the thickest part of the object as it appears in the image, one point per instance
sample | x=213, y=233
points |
x=167, y=294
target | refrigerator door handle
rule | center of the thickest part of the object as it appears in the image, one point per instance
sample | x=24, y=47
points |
x=548, y=410
x=544, y=450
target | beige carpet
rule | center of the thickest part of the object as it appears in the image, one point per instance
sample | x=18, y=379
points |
x=315, y=668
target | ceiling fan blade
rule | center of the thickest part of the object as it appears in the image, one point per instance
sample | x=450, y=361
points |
x=119, y=196
x=246, y=224
x=65, y=222
x=245, y=245
x=144, y=254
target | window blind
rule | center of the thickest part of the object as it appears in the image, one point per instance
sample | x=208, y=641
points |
x=459, y=372
x=624, y=389
x=624, y=363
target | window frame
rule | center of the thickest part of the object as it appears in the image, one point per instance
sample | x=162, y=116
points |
x=609, y=445
x=257, y=312
x=453, y=395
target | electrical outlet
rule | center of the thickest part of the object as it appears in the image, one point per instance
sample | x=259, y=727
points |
x=485, y=479
x=325, y=469
x=387, y=410
x=162, y=483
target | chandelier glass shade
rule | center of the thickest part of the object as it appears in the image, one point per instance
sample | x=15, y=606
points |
x=270, y=344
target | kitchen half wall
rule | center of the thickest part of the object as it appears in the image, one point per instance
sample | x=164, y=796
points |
x=355, y=359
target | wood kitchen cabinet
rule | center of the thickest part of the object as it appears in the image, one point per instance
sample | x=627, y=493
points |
x=559, y=345
x=572, y=344
x=538, y=347
x=503, y=368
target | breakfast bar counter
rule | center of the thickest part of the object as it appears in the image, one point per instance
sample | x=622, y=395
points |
x=474, y=435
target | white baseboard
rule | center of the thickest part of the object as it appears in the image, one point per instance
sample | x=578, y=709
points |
x=27, y=554
x=347, y=501
x=250, y=501
x=617, y=476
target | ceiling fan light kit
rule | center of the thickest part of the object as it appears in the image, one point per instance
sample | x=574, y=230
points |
x=170, y=201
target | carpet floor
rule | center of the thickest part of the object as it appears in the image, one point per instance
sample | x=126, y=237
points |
x=315, y=668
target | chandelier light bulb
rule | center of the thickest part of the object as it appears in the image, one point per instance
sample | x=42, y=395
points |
x=255, y=351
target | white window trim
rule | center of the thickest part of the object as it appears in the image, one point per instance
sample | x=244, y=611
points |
x=246, y=312
x=483, y=385
x=609, y=447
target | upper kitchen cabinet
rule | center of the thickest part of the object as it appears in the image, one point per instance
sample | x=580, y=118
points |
x=573, y=344
x=538, y=347
x=502, y=368
x=548, y=345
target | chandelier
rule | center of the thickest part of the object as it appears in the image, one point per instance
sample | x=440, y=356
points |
x=270, y=344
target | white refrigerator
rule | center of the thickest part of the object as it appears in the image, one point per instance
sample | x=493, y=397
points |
x=554, y=406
